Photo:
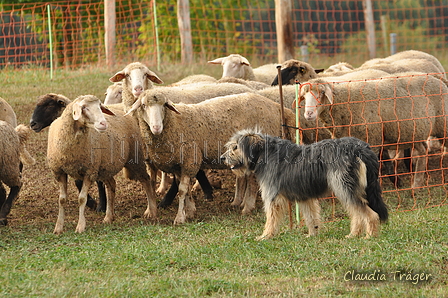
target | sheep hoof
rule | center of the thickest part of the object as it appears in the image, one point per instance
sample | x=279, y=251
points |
x=149, y=215
x=80, y=228
x=3, y=222
x=57, y=231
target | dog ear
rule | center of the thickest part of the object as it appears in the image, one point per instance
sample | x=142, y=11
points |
x=252, y=147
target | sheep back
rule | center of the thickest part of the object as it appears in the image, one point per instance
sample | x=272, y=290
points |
x=9, y=157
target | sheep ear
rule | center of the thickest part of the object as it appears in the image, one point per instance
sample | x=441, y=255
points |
x=134, y=107
x=169, y=104
x=328, y=94
x=244, y=61
x=319, y=70
x=106, y=110
x=118, y=77
x=77, y=111
x=154, y=78
x=216, y=61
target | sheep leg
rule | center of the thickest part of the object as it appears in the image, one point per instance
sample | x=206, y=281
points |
x=2, y=195
x=101, y=197
x=6, y=206
x=151, y=210
x=420, y=165
x=110, y=189
x=82, y=200
x=205, y=185
x=163, y=187
x=62, y=179
x=91, y=203
x=170, y=195
x=184, y=201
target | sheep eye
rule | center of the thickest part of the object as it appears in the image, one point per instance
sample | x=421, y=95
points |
x=234, y=147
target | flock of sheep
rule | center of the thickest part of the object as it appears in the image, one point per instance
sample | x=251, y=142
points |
x=395, y=103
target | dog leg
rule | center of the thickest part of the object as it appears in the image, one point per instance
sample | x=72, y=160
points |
x=371, y=221
x=240, y=189
x=275, y=210
x=357, y=218
x=311, y=213
x=250, y=195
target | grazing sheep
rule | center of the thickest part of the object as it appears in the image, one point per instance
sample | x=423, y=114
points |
x=7, y=113
x=396, y=112
x=295, y=70
x=113, y=94
x=48, y=108
x=13, y=156
x=86, y=146
x=135, y=78
x=184, y=138
x=238, y=66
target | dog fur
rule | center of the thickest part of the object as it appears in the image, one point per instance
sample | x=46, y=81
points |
x=304, y=173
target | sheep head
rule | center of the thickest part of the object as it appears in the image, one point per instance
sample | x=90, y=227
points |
x=152, y=104
x=295, y=70
x=233, y=65
x=317, y=95
x=48, y=107
x=137, y=77
x=88, y=110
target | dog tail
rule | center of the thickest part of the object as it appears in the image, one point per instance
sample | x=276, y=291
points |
x=373, y=189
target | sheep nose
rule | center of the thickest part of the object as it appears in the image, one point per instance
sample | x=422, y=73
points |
x=138, y=90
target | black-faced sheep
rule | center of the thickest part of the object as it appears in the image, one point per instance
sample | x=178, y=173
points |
x=86, y=146
x=48, y=108
x=184, y=138
x=295, y=70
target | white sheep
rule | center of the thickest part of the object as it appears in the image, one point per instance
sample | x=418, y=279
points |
x=406, y=61
x=338, y=68
x=193, y=79
x=135, y=78
x=184, y=138
x=395, y=112
x=12, y=148
x=238, y=66
x=86, y=146
x=114, y=94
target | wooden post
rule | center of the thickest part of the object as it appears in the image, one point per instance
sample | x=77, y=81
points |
x=183, y=20
x=370, y=27
x=110, y=35
x=283, y=25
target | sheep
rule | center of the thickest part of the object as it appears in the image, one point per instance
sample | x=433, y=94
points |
x=13, y=156
x=184, y=138
x=238, y=66
x=251, y=84
x=135, y=78
x=192, y=79
x=89, y=146
x=295, y=70
x=340, y=67
x=408, y=57
x=113, y=94
x=7, y=113
x=367, y=110
x=405, y=65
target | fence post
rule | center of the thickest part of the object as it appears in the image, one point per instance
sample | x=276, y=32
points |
x=370, y=27
x=110, y=35
x=183, y=20
x=305, y=53
x=283, y=26
x=393, y=43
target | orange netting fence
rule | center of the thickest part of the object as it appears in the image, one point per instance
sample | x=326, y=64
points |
x=333, y=28
x=403, y=117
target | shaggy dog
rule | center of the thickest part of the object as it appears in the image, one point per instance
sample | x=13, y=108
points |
x=303, y=173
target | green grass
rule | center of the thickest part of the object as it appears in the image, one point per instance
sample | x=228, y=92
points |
x=215, y=255
x=221, y=258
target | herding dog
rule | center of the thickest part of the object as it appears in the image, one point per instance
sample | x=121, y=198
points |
x=304, y=173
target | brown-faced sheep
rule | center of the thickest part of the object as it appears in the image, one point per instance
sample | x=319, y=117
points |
x=86, y=146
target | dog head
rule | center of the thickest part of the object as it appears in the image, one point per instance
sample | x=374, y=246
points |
x=243, y=151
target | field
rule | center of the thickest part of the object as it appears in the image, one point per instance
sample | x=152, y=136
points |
x=213, y=255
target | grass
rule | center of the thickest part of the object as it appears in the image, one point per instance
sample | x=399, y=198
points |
x=221, y=258
x=215, y=254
